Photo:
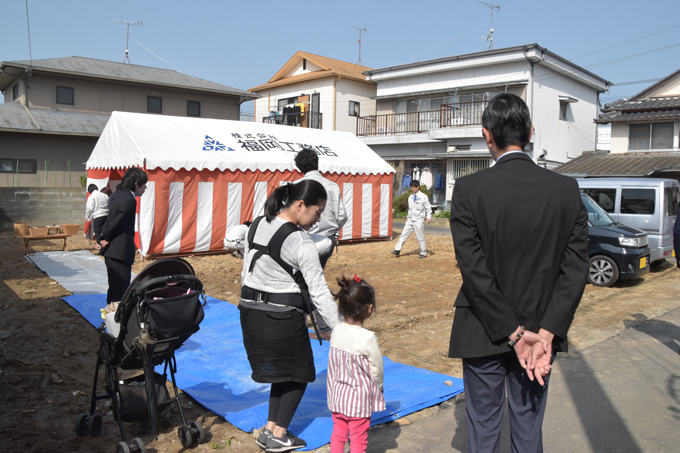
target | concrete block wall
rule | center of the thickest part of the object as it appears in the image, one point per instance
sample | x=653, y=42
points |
x=41, y=205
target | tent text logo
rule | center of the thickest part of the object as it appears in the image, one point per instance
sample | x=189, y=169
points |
x=262, y=142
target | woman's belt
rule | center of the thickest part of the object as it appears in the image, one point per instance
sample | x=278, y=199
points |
x=289, y=299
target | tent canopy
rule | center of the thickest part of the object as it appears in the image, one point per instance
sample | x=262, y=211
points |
x=169, y=142
x=206, y=176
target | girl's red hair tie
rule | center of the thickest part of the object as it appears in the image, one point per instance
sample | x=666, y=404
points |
x=357, y=279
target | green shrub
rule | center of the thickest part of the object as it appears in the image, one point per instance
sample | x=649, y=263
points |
x=83, y=180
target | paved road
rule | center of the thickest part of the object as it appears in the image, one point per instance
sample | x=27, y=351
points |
x=398, y=225
x=621, y=395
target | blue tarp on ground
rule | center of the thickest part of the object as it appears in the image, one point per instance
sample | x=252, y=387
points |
x=214, y=370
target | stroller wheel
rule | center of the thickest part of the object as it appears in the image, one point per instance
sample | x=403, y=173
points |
x=81, y=425
x=197, y=432
x=138, y=445
x=185, y=437
x=94, y=425
x=122, y=447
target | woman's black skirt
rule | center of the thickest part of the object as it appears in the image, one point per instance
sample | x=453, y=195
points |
x=278, y=346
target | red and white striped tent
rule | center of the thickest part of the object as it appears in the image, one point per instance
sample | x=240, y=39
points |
x=206, y=175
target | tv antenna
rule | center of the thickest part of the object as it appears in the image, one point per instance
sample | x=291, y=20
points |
x=127, y=41
x=489, y=37
x=360, y=31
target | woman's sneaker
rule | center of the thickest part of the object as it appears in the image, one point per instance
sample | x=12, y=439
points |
x=288, y=442
x=261, y=440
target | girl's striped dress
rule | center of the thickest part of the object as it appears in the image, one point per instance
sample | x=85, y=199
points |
x=355, y=372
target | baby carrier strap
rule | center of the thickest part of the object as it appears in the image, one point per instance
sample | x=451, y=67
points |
x=273, y=250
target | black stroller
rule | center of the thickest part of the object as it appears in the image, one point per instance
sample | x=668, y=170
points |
x=160, y=310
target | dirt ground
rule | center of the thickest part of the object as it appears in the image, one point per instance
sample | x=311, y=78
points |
x=48, y=350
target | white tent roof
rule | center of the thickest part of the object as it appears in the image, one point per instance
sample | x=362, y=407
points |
x=208, y=144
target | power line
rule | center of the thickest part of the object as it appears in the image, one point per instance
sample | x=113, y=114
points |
x=445, y=43
x=627, y=42
x=616, y=60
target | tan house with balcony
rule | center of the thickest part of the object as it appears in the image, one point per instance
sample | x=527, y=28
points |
x=55, y=110
x=428, y=114
x=316, y=92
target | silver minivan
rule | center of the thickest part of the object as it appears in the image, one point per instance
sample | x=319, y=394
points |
x=648, y=204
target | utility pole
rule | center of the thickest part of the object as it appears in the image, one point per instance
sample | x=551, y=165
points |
x=489, y=37
x=360, y=31
x=127, y=41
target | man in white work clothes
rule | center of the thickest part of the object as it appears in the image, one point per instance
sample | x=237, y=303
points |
x=419, y=211
x=333, y=218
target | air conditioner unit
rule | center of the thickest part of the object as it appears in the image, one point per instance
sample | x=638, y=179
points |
x=451, y=149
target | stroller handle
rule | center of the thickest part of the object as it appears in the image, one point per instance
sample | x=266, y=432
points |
x=169, y=278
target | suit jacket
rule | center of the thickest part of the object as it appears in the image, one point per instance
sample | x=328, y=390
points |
x=119, y=228
x=520, y=234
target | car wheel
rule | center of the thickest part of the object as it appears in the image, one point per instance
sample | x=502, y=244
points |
x=603, y=271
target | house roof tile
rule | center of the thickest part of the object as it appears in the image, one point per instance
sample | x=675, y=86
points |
x=89, y=67
x=603, y=163
x=14, y=117
x=330, y=68
x=623, y=110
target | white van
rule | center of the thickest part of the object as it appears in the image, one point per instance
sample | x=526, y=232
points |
x=648, y=204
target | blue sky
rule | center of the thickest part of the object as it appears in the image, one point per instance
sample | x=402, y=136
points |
x=243, y=43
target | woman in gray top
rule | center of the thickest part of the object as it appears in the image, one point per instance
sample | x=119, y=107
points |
x=274, y=305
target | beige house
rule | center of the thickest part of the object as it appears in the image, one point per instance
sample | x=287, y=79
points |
x=647, y=122
x=316, y=92
x=55, y=110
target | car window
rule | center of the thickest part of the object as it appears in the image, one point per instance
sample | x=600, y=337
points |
x=671, y=201
x=638, y=201
x=596, y=215
x=604, y=197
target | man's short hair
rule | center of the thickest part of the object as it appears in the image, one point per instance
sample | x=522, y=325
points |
x=91, y=188
x=508, y=119
x=415, y=183
x=307, y=160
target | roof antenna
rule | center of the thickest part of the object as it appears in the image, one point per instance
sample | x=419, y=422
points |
x=360, y=31
x=127, y=41
x=489, y=37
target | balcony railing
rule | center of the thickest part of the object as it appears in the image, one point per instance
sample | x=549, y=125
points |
x=304, y=119
x=448, y=115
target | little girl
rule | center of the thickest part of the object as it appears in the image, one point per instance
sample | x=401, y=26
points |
x=355, y=368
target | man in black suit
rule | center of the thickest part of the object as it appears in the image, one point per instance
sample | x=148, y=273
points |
x=118, y=233
x=520, y=234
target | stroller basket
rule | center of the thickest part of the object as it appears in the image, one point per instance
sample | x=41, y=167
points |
x=172, y=316
x=132, y=398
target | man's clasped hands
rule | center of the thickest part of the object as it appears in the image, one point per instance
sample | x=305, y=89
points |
x=534, y=351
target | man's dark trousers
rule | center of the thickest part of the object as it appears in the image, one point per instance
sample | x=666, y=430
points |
x=119, y=274
x=484, y=379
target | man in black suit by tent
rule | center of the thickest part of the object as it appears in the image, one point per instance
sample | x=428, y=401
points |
x=520, y=234
x=118, y=233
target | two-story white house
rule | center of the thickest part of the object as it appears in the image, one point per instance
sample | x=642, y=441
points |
x=55, y=109
x=316, y=92
x=428, y=114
